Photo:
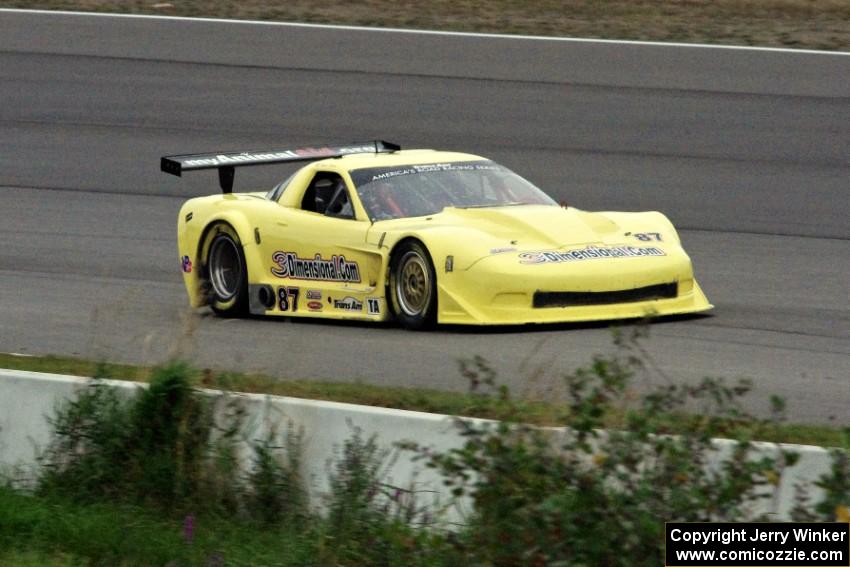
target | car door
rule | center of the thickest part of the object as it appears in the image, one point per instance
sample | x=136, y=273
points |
x=318, y=250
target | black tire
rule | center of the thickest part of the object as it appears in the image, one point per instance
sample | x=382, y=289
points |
x=225, y=272
x=412, y=289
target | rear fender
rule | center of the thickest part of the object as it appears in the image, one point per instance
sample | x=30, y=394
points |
x=197, y=241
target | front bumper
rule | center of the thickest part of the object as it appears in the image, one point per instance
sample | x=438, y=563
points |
x=499, y=293
x=522, y=312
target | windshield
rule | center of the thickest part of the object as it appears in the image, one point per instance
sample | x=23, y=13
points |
x=418, y=190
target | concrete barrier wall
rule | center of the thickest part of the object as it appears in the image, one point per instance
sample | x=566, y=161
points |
x=27, y=398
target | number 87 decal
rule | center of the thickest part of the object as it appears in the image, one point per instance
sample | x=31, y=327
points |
x=286, y=297
x=647, y=236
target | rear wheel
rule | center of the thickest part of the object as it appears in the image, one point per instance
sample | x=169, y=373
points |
x=413, y=286
x=225, y=272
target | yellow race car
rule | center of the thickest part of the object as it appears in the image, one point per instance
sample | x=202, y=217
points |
x=367, y=231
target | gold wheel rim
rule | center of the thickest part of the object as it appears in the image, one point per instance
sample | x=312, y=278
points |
x=413, y=285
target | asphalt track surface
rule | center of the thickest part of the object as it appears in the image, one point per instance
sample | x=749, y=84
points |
x=748, y=152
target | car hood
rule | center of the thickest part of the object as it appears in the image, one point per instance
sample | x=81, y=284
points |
x=473, y=234
x=525, y=226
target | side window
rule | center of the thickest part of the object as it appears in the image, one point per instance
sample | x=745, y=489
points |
x=340, y=205
x=328, y=195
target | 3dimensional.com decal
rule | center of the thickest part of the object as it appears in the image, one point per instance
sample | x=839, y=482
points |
x=335, y=269
x=591, y=252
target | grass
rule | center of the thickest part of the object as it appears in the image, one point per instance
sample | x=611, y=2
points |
x=55, y=532
x=30, y=558
x=157, y=479
x=416, y=399
x=821, y=24
x=153, y=480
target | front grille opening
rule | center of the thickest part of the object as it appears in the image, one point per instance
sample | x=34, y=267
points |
x=574, y=298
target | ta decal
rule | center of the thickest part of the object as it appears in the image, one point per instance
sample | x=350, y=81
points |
x=373, y=305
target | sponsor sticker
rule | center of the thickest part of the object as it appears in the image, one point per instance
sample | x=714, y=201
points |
x=314, y=305
x=335, y=269
x=591, y=252
x=373, y=305
x=186, y=264
x=431, y=167
x=502, y=250
x=245, y=157
x=314, y=294
x=348, y=304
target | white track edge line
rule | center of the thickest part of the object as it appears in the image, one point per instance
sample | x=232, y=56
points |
x=433, y=32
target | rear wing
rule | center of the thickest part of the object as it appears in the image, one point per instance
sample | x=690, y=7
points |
x=226, y=162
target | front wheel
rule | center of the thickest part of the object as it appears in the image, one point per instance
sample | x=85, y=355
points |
x=225, y=272
x=413, y=287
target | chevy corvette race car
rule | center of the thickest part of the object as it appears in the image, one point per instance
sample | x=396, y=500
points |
x=372, y=232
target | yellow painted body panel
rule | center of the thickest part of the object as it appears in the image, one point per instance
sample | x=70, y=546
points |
x=501, y=256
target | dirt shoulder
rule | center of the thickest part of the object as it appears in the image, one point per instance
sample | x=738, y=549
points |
x=804, y=24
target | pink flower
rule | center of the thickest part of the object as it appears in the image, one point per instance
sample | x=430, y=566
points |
x=189, y=528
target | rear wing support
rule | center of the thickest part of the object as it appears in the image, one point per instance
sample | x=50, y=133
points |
x=226, y=175
x=227, y=162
